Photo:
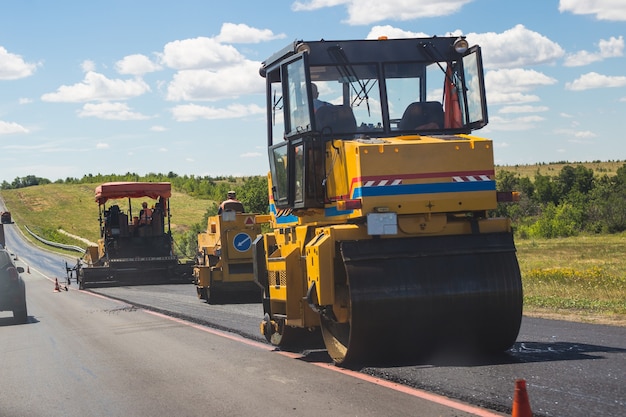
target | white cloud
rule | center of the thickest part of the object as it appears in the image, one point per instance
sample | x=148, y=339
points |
x=498, y=123
x=595, y=80
x=512, y=85
x=522, y=109
x=13, y=67
x=614, y=10
x=241, y=33
x=102, y=146
x=8, y=128
x=25, y=100
x=41, y=147
x=505, y=97
x=584, y=134
x=578, y=134
x=251, y=155
x=299, y=6
x=393, y=33
x=513, y=48
x=110, y=111
x=581, y=58
x=158, y=129
x=364, y=12
x=191, y=112
x=96, y=86
x=136, y=64
x=231, y=82
x=516, y=47
x=199, y=53
x=614, y=47
x=88, y=66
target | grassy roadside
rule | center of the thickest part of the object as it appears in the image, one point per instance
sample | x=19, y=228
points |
x=579, y=278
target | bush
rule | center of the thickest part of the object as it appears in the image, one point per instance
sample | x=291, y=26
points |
x=557, y=221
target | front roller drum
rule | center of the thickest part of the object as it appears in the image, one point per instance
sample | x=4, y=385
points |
x=409, y=297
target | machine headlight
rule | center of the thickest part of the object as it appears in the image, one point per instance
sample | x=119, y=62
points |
x=303, y=47
x=461, y=45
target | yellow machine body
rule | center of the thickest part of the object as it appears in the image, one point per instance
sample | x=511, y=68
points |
x=382, y=237
x=223, y=270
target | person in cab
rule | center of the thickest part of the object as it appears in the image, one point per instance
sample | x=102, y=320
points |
x=145, y=215
x=231, y=203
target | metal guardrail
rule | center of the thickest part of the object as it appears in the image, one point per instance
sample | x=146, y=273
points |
x=55, y=244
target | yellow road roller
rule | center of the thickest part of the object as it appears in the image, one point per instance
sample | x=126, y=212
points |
x=223, y=269
x=379, y=199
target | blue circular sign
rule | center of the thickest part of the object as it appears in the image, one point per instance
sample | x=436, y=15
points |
x=242, y=242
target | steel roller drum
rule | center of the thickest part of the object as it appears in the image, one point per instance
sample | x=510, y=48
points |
x=411, y=296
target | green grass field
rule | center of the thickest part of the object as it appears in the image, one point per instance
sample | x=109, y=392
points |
x=579, y=278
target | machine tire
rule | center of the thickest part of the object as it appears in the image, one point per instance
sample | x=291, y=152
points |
x=203, y=294
x=288, y=337
x=20, y=315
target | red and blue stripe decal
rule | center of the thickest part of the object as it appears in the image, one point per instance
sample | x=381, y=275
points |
x=398, y=185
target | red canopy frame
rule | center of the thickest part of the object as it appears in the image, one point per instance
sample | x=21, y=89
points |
x=116, y=190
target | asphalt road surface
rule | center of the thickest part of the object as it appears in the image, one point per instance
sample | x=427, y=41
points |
x=571, y=369
x=82, y=352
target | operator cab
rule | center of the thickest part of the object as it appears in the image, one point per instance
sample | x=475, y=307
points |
x=368, y=90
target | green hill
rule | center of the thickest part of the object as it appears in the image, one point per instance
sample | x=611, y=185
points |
x=71, y=207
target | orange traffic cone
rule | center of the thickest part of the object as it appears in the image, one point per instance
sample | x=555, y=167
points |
x=56, y=285
x=521, y=405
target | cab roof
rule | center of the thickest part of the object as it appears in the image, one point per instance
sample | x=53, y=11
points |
x=114, y=190
x=367, y=51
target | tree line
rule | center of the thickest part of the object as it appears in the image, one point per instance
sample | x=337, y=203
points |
x=574, y=201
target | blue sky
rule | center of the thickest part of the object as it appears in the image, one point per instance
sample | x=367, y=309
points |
x=158, y=86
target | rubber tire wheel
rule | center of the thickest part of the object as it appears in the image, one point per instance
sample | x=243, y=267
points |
x=203, y=294
x=20, y=316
